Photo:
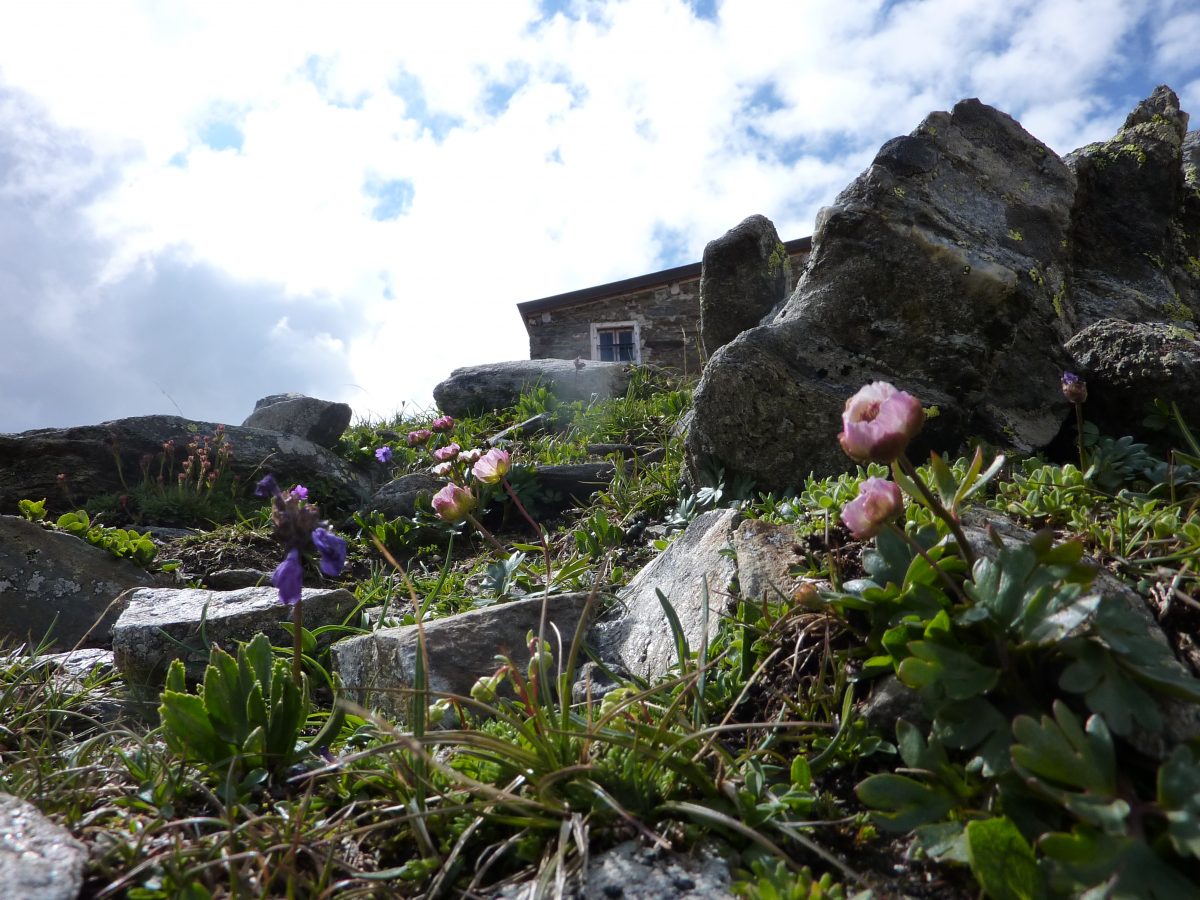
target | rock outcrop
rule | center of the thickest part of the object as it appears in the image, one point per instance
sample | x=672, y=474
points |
x=744, y=275
x=476, y=389
x=319, y=421
x=957, y=267
x=39, y=860
x=57, y=584
x=104, y=458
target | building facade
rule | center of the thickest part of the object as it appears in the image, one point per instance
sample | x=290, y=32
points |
x=652, y=319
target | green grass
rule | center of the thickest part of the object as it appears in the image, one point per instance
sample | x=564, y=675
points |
x=1020, y=773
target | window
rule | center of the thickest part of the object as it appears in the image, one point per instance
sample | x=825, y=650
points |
x=616, y=342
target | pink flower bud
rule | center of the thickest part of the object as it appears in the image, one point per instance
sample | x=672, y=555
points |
x=878, y=423
x=418, y=437
x=878, y=502
x=492, y=466
x=445, y=454
x=470, y=457
x=442, y=423
x=452, y=503
x=441, y=470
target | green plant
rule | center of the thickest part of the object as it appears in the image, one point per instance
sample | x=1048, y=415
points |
x=244, y=722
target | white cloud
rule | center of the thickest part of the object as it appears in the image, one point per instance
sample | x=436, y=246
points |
x=541, y=154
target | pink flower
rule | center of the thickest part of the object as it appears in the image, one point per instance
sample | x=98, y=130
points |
x=442, y=469
x=878, y=423
x=445, y=454
x=470, y=457
x=418, y=437
x=492, y=466
x=878, y=502
x=442, y=423
x=452, y=503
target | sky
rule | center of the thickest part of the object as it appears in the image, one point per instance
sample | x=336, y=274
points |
x=203, y=203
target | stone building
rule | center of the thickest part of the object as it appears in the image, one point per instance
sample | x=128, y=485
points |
x=653, y=319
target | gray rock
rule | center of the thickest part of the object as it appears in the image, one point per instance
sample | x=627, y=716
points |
x=377, y=669
x=399, y=497
x=765, y=553
x=319, y=421
x=631, y=871
x=31, y=461
x=636, y=635
x=572, y=482
x=475, y=389
x=744, y=275
x=162, y=624
x=39, y=860
x=235, y=579
x=1128, y=256
x=937, y=269
x=52, y=580
x=532, y=425
x=1129, y=364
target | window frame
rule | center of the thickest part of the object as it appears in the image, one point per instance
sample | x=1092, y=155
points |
x=598, y=327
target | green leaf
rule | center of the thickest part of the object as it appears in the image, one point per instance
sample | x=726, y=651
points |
x=1179, y=798
x=189, y=731
x=33, y=511
x=1110, y=689
x=1002, y=861
x=903, y=803
x=1089, y=863
x=946, y=671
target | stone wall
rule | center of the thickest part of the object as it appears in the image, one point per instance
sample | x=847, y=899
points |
x=667, y=314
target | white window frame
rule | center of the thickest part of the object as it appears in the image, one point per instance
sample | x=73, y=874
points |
x=598, y=327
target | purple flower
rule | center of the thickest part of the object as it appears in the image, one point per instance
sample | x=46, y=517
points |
x=492, y=466
x=442, y=423
x=299, y=491
x=384, y=453
x=878, y=423
x=878, y=502
x=289, y=578
x=445, y=454
x=453, y=503
x=267, y=487
x=1074, y=388
x=418, y=437
x=332, y=549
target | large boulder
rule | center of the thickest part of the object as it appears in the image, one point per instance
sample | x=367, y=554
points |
x=942, y=269
x=1130, y=364
x=57, y=584
x=159, y=625
x=475, y=389
x=695, y=570
x=377, y=670
x=744, y=275
x=100, y=459
x=1129, y=246
x=319, y=421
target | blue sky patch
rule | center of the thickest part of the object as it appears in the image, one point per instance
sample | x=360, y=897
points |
x=221, y=135
x=704, y=9
x=408, y=88
x=392, y=198
x=673, y=247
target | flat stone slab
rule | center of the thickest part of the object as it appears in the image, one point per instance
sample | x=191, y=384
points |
x=377, y=669
x=39, y=860
x=50, y=578
x=638, y=636
x=162, y=624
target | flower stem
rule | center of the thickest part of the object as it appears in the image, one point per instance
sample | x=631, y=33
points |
x=532, y=524
x=1079, y=435
x=297, y=643
x=482, y=529
x=955, y=590
x=939, y=510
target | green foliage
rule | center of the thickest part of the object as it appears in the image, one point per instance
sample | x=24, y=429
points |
x=243, y=724
x=33, y=511
x=121, y=543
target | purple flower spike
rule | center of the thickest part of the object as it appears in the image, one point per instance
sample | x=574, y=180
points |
x=288, y=577
x=332, y=549
x=267, y=487
x=384, y=454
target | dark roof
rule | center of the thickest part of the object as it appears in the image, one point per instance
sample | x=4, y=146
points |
x=629, y=285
